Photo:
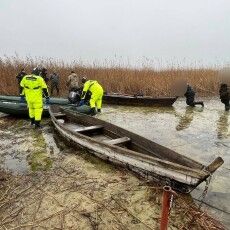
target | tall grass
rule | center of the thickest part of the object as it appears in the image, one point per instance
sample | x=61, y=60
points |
x=113, y=78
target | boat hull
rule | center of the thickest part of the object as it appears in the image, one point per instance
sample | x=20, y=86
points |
x=21, y=110
x=113, y=100
x=138, y=101
x=181, y=177
x=143, y=169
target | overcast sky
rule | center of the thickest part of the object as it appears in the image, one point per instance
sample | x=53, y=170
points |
x=164, y=31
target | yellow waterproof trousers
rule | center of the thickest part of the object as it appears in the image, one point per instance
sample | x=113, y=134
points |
x=96, y=96
x=35, y=109
x=96, y=91
x=96, y=100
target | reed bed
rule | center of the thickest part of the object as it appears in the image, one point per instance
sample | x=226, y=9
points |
x=117, y=79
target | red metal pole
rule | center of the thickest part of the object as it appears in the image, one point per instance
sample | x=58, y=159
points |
x=165, y=207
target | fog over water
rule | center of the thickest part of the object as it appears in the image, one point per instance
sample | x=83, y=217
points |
x=129, y=31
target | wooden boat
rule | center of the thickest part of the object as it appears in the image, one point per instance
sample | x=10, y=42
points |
x=114, y=99
x=129, y=100
x=18, y=109
x=122, y=147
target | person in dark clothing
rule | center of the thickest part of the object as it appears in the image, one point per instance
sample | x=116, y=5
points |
x=54, y=83
x=19, y=77
x=43, y=74
x=225, y=95
x=190, y=97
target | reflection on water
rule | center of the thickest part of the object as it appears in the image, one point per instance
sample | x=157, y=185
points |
x=223, y=125
x=187, y=117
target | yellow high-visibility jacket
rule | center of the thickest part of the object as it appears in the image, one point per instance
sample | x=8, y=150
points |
x=33, y=87
x=93, y=86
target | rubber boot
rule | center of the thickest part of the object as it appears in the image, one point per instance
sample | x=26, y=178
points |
x=99, y=110
x=37, y=125
x=32, y=121
x=93, y=111
x=192, y=104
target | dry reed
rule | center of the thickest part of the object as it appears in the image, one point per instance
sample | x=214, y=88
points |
x=113, y=78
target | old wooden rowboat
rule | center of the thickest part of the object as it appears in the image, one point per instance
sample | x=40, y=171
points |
x=122, y=147
x=18, y=109
x=114, y=99
x=129, y=100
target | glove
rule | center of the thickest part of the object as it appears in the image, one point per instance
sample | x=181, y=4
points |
x=82, y=102
x=22, y=99
x=47, y=100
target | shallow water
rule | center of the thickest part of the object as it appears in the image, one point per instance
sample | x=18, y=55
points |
x=201, y=134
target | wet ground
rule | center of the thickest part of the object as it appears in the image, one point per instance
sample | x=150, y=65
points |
x=201, y=134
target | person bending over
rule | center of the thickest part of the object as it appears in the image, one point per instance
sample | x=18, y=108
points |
x=93, y=92
x=190, y=97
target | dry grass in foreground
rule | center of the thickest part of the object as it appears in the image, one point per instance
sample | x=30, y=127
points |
x=80, y=191
x=70, y=197
x=114, y=79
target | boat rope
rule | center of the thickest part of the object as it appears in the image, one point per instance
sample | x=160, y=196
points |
x=204, y=193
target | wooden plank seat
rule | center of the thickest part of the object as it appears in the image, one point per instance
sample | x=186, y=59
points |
x=117, y=141
x=89, y=129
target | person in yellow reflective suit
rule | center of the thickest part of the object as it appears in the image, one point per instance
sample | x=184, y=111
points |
x=32, y=88
x=94, y=91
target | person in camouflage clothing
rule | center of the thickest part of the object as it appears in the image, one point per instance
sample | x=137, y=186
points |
x=74, y=82
x=54, y=83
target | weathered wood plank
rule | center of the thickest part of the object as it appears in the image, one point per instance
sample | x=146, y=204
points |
x=89, y=128
x=122, y=140
x=215, y=165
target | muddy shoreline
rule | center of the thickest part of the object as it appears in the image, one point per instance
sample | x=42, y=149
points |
x=56, y=187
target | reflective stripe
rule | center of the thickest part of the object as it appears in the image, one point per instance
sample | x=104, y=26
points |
x=37, y=87
x=31, y=78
